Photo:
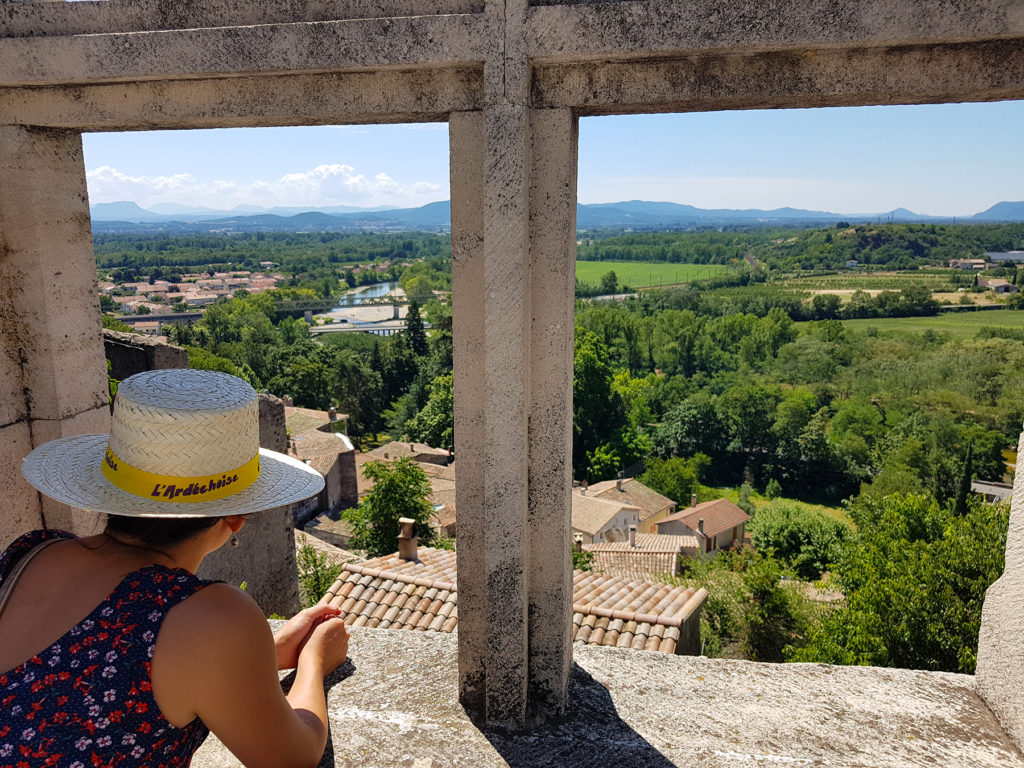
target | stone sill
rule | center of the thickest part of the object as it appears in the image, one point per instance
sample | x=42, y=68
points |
x=395, y=703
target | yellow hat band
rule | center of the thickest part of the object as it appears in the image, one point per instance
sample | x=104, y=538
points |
x=147, y=485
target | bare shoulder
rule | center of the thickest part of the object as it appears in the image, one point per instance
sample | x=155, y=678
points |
x=218, y=611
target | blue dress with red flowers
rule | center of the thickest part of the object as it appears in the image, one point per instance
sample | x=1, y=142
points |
x=87, y=700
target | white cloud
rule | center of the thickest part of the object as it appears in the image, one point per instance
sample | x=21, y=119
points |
x=325, y=185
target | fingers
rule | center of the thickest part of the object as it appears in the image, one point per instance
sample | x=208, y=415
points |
x=317, y=612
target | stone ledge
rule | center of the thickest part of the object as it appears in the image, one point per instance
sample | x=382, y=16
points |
x=395, y=703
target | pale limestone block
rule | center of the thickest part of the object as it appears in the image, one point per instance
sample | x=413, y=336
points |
x=48, y=272
x=1000, y=671
x=21, y=511
x=466, y=164
x=13, y=406
x=395, y=705
x=552, y=254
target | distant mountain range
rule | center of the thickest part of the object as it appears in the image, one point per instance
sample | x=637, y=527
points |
x=174, y=218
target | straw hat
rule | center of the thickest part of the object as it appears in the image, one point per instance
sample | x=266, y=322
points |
x=182, y=443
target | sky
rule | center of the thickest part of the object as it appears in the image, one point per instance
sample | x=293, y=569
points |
x=942, y=160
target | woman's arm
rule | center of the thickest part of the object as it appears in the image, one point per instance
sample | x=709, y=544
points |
x=215, y=658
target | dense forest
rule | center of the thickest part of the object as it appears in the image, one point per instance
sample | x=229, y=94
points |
x=739, y=381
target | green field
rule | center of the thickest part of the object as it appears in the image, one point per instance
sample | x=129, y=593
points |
x=959, y=324
x=872, y=281
x=640, y=274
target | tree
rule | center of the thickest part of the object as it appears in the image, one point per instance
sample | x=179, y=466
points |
x=400, y=489
x=964, y=488
x=675, y=478
x=414, y=330
x=609, y=283
x=808, y=541
x=914, y=576
x=597, y=411
x=435, y=422
x=772, y=619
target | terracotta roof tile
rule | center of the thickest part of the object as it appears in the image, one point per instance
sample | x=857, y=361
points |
x=718, y=515
x=654, y=554
x=389, y=592
x=308, y=445
x=632, y=492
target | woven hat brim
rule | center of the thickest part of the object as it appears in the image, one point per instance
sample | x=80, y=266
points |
x=68, y=470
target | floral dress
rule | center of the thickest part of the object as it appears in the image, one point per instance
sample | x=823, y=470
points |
x=87, y=700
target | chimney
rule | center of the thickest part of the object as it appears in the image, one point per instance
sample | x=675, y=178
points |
x=583, y=486
x=618, y=484
x=332, y=414
x=406, y=540
x=693, y=500
x=700, y=526
x=578, y=542
x=632, y=537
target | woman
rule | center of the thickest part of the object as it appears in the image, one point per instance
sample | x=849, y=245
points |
x=112, y=652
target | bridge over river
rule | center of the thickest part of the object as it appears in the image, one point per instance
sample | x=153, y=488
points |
x=385, y=328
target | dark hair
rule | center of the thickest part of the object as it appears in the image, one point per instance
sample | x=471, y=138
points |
x=159, y=531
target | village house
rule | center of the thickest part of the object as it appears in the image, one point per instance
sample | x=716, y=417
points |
x=997, y=284
x=318, y=438
x=653, y=506
x=596, y=520
x=968, y=264
x=717, y=524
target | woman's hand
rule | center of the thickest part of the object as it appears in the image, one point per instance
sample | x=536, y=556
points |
x=293, y=636
x=327, y=647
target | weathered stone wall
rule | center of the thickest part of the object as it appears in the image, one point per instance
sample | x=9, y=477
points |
x=52, y=371
x=265, y=556
x=131, y=353
x=1000, y=673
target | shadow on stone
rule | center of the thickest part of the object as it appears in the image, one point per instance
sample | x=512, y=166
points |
x=343, y=672
x=591, y=735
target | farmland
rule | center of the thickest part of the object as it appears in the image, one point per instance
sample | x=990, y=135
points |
x=847, y=282
x=638, y=274
x=957, y=324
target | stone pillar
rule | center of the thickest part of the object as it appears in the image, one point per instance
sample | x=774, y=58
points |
x=513, y=226
x=50, y=329
x=999, y=674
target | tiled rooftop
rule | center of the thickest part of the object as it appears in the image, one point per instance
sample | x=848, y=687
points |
x=590, y=515
x=718, y=515
x=632, y=492
x=316, y=443
x=391, y=593
x=653, y=554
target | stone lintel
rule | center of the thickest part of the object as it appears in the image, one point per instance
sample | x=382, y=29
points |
x=50, y=19
x=884, y=75
x=387, y=96
x=432, y=42
x=581, y=30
